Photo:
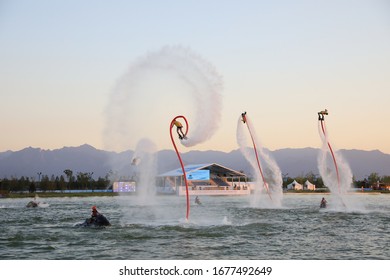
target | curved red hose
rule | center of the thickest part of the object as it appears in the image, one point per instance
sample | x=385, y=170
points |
x=181, y=162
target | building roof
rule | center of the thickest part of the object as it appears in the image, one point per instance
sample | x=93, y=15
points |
x=308, y=183
x=213, y=167
x=294, y=183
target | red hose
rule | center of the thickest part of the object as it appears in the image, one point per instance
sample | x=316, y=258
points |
x=331, y=151
x=258, y=161
x=181, y=162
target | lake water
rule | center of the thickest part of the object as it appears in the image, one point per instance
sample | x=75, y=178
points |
x=221, y=228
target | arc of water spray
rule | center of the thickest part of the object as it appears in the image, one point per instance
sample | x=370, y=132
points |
x=321, y=119
x=185, y=70
x=179, y=157
x=245, y=121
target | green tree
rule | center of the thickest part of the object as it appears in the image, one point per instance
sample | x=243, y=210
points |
x=69, y=175
x=385, y=180
x=4, y=186
x=45, y=183
x=32, y=188
x=52, y=183
x=102, y=183
x=60, y=183
x=373, y=178
x=84, y=179
x=311, y=177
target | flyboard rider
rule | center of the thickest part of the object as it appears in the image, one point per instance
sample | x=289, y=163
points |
x=243, y=117
x=179, y=129
x=321, y=114
x=323, y=203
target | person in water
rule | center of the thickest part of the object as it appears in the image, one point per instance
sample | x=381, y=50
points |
x=323, y=203
x=97, y=218
x=179, y=129
x=197, y=200
x=321, y=114
x=94, y=214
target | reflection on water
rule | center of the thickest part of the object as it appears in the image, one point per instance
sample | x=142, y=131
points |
x=220, y=228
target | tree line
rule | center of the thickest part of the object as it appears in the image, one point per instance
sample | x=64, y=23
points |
x=84, y=181
x=374, y=180
x=68, y=181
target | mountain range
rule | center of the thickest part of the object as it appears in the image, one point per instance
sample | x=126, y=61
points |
x=85, y=158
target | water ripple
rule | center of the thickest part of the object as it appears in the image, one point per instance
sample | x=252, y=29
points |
x=224, y=228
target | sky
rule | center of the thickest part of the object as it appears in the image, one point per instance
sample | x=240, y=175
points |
x=63, y=62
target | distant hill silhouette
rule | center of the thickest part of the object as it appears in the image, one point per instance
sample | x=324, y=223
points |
x=85, y=158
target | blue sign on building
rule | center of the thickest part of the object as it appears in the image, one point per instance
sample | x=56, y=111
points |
x=198, y=175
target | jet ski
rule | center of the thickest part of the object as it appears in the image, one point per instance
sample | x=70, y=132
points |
x=98, y=221
x=32, y=204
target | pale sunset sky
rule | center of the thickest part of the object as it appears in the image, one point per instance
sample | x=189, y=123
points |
x=281, y=61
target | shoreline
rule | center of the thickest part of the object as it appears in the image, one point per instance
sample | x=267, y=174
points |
x=94, y=194
x=349, y=193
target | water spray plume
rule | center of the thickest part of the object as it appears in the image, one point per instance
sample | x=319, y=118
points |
x=342, y=174
x=269, y=171
x=144, y=162
x=245, y=121
x=174, y=77
x=182, y=137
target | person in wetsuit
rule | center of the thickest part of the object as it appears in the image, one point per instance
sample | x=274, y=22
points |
x=179, y=129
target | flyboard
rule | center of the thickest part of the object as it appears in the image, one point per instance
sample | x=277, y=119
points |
x=173, y=122
x=244, y=119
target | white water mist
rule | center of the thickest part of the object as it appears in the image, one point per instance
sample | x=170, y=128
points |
x=158, y=87
x=271, y=170
x=145, y=157
x=341, y=185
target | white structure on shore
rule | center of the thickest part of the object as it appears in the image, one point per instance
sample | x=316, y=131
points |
x=203, y=179
x=309, y=186
x=299, y=187
x=295, y=186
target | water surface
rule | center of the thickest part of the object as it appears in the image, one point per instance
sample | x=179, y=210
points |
x=220, y=228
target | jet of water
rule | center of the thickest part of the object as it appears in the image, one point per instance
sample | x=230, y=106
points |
x=271, y=170
x=335, y=172
x=146, y=170
x=162, y=84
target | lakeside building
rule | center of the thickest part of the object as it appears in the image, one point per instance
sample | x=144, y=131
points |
x=309, y=186
x=124, y=186
x=203, y=179
x=295, y=186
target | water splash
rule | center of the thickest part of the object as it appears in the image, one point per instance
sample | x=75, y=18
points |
x=171, y=81
x=271, y=170
x=159, y=85
x=335, y=173
x=145, y=169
